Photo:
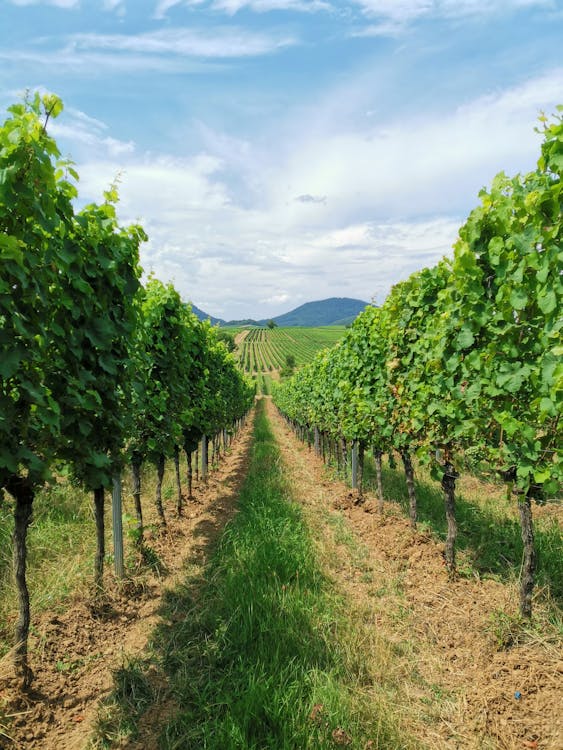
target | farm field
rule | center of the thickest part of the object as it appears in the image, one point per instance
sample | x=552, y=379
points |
x=288, y=587
x=265, y=350
x=386, y=652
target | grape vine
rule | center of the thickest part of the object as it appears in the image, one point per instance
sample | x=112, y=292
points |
x=93, y=367
x=465, y=355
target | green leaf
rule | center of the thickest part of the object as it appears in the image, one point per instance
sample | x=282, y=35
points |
x=10, y=249
x=547, y=300
x=465, y=338
x=518, y=298
x=10, y=362
x=511, y=376
x=548, y=407
x=541, y=475
x=496, y=247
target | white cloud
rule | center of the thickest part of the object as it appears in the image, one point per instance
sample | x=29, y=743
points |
x=395, y=198
x=66, y=4
x=233, y=6
x=276, y=299
x=418, y=165
x=397, y=10
x=174, y=50
x=88, y=135
x=225, y=257
x=95, y=64
x=84, y=120
x=221, y=42
x=115, y=6
x=394, y=14
x=397, y=14
x=163, y=6
x=263, y=6
x=385, y=28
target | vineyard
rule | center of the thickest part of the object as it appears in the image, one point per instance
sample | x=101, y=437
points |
x=462, y=364
x=265, y=350
x=287, y=586
x=97, y=372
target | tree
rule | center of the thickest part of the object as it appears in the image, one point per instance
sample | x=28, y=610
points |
x=227, y=338
x=290, y=361
x=272, y=324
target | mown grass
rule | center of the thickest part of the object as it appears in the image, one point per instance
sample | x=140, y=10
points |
x=255, y=653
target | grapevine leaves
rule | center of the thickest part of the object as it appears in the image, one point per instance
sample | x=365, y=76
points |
x=467, y=353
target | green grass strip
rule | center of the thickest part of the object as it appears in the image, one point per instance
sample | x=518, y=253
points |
x=253, y=654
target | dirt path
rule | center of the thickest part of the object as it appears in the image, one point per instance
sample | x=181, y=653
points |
x=75, y=653
x=240, y=337
x=459, y=690
x=456, y=690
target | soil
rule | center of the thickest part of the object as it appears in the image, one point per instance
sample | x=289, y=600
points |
x=465, y=691
x=240, y=337
x=75, y=653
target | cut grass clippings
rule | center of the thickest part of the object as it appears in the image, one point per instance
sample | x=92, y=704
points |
x=254, y=652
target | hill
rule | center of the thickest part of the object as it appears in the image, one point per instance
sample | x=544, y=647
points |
x=327, y=312
x=205, y=316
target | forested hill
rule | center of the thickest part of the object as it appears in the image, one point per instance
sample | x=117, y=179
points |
x=205, y=316
x=336, y=310
x=326, y=312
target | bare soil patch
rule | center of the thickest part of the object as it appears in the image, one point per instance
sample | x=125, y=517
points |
x=460, y=689
x=240, y=337
x=74, y=654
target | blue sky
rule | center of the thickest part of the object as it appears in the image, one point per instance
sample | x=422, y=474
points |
x=281, y=151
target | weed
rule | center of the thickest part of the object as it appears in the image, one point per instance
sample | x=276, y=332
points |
x=489, y=536
x=152, y=560
x=506, y=630
x=69, y=665
x=119, y=714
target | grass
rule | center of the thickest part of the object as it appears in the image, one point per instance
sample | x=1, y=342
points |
x=61, y=542
x=133, y=693
x=256, y=652
x=61, y=545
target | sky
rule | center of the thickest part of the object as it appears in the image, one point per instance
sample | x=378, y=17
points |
x=283, y=151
